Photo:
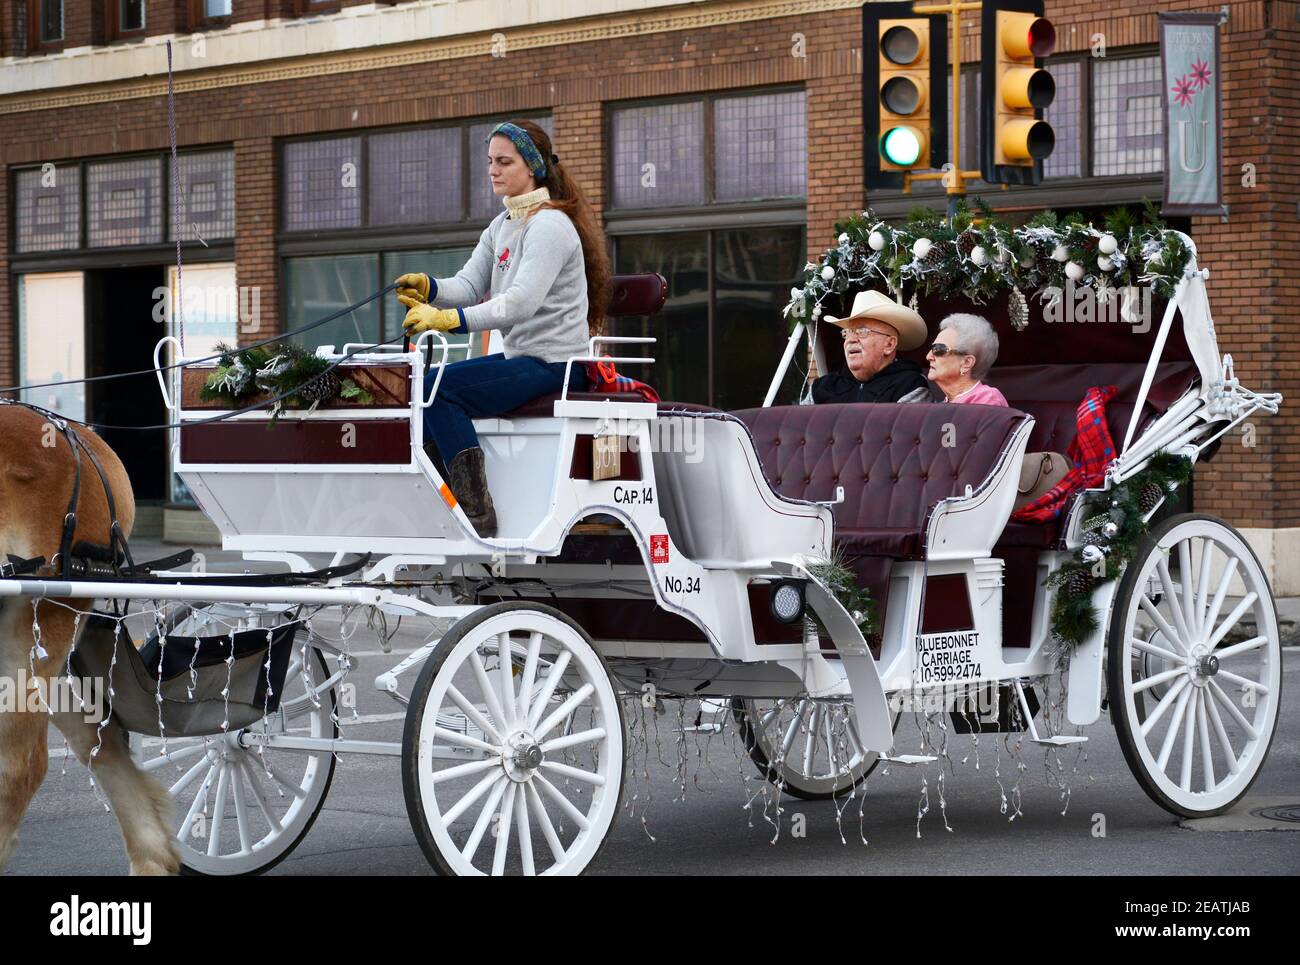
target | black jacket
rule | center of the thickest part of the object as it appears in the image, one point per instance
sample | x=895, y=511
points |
x=890, y=384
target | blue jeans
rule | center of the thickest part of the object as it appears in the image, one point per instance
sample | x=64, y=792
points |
x=483, y=387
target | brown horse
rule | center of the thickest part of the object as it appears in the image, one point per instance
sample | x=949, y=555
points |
x=36, y=482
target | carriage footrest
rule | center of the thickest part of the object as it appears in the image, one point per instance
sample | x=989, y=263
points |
x=1060, y=740
x=910, y=759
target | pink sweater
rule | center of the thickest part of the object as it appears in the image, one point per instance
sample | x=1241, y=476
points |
x=981, y=394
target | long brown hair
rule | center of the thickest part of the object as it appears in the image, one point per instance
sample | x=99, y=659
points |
x=566, y=196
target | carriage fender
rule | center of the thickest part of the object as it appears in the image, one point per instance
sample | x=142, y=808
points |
x=1086, y=673
x=875, y=727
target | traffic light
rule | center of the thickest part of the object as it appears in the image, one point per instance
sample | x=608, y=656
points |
x=1014, y=90
x=904, y=92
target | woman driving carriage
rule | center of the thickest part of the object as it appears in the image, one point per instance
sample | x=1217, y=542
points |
x=542, y=274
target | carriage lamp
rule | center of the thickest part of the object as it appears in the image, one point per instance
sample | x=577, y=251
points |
x=787, y=601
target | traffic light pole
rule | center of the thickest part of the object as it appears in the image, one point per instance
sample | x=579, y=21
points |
x=954, y=180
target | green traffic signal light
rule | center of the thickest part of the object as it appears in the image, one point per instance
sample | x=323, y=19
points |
x=901, y=146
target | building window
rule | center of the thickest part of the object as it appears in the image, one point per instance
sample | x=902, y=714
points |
x=658, y=155
x=415, y=176
x=761, y=146
x=1126, y=101
x=49, y=26
x=721, y=331
x=48, y=216
x=322, y=184
x=124, y=202
x=204, y=11
x=130, y=16
x=1067, y=116
x=207, y=196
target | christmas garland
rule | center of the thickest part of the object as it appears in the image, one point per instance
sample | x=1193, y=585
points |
x=978, y=256
x=1110, y=539
x=242, y=374
x=856, y=600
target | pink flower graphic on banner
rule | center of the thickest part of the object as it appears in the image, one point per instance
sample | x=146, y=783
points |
x=1183, y=91
x=1201, y=74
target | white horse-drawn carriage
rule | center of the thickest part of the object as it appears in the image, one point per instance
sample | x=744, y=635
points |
x=675, y=549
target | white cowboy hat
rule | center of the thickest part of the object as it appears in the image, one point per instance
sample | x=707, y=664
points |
x=910, y=327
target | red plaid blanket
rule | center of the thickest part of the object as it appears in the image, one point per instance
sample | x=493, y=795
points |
x=1091, y=452
x=603, y=378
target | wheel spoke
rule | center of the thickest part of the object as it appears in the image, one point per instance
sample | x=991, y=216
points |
x=1147, y=647
x=1174, y=726
x=1206, y=754
x=174, y=756
x=189, y=777
x=218, y=811
x=1222, y=733
x=1156, y=680
x=524, y=831
x=570, y=740
x=1231, y=619
x=530, y=676
x=484, y=818
x=464, y=740
x=1185, y=579
x=548, y=829
x=1253, y=685
x=1221, y=593
x=474, y=793
x=810, y=739
x=1237, y=649
x=196, y=805
x=1175, y=603
x=506, y=673
x=1189, y=740
x=464, y=770
x=1233, y=711
x=1203, y=584
x=1165, y=703
x=792, y=731
x=472, y=712
x=241, y=808
x=543, y=697
x=564, y=710
x=489, y=692
x=1161, y=623
x=567, y=806
x=575, y=773
x=259, y=794
x=293, y=787
x=503, y=832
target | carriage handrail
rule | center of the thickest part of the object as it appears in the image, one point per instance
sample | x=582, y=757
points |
x=418, y=347
x=394, y=347
x=591, y=355
x=168, y=402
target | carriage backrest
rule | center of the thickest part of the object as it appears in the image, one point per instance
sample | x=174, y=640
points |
x=895, y=462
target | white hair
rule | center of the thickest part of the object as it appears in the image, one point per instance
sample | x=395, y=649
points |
x=975, y=336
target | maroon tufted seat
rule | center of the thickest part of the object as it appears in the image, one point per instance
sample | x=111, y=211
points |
x=892, y=461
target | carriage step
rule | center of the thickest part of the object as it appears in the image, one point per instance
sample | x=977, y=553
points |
x=908, y=758
x=1060, y=740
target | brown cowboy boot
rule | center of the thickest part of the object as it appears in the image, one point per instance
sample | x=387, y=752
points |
x=467, y=478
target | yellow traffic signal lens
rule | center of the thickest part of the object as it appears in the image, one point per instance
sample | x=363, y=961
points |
x=1042, y=37
x=901, y=95
x=901, y=146
x=901, y=45
x=1027, y=87
x=1025, y=35
x=1025, y=139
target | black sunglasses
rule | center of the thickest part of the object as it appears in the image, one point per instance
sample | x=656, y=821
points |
x=939, y=350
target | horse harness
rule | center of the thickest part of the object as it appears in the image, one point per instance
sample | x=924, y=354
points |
x=82, y=560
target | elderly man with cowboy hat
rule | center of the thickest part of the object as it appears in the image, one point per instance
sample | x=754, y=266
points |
x=874, y=332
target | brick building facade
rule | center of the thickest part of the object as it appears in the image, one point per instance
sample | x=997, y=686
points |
x=268, y=74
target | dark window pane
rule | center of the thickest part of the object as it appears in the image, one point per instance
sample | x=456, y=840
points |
x=483, y=204
x=131, y=14
x=207, y=196
x=970, y=119
x=49, y=209
x=321, y=286
x=761, y=146
x=216, y=8
x=51, y=20
x=322, y=184
x=124, y=202
x=658, y=155
x=680, y=371
x=1126, y=116
x=415, y=176
x=755, y=269
x=1064, y=113
x=439, y=263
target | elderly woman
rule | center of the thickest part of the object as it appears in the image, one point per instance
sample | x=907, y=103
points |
x=961, y=357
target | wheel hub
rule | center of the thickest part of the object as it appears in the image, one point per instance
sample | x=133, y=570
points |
x=1208, y=665
x=523, y=756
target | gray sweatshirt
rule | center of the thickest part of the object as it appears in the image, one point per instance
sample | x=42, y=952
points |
x=533, y=273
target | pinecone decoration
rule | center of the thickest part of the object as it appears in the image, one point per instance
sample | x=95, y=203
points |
x=1018, y=309
x=939, y=253
x=1150, y=497
x=966, y=242
x=322, y=388
x=1079, y=583
x=1094, y=537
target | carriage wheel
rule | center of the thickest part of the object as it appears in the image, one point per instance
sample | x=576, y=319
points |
x=512, y=757
x=241, y=810
x=1194, y=678
x=808, y=747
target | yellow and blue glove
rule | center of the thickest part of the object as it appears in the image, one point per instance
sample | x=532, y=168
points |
x=422, y=318
x=414, y=285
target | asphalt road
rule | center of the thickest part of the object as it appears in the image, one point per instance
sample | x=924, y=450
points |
x=709, y=829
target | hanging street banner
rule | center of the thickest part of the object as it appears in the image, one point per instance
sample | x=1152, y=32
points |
x=1193, y=115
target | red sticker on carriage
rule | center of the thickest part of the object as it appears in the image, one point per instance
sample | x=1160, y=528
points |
x=659, y=549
